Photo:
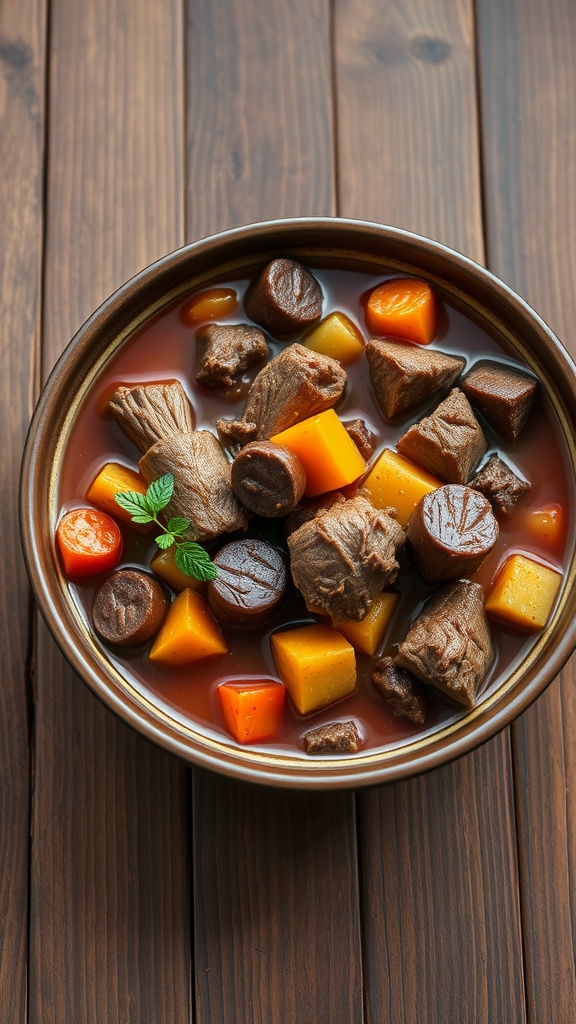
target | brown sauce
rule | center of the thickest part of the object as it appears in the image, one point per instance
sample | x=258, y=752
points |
x=164, y=349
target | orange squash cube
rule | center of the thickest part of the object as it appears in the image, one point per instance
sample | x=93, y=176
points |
x=317, y=665
x=163, y=565
x=396, y=481
x=210, y=305
x=523, y=592
x=403, y=308
x=114, y=479
x=326, y=450
x=252, y=710
x=189, y=632
x=336, y=336
x=366, y=636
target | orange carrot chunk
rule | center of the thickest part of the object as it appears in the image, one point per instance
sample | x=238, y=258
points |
x=403, y=308
x=114, y=479
x=210, y=305
x=252, y=710
x=89, y=542
x=546, y=524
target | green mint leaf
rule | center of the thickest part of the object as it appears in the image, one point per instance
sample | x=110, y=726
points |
x=165, y=541
x=193, y=560
x=178, y=525
x=159, y=493
x=136, y=504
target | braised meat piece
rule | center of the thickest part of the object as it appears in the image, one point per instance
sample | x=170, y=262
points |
x=202, y=487
x=404, y=376
x=449, y=645
x=149, y=413
x=449, y=443
x=500, y=485
x=400, y=689
x=363, y=438
x=129, y=608
x=296, y=384
x=333, y=738
x=225, y=351
x=450, y=532
x=250, y=585
x=502, y=395
x=285, y=300
x=308, y=508
x=344, y=557
x=268, y=479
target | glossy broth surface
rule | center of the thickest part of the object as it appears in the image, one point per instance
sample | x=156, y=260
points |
x=164, y=349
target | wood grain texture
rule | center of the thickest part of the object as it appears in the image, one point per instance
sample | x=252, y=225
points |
x=440, y=881
x=284, y=941
x=110, y=905
x=22, y=57
x=528, y=83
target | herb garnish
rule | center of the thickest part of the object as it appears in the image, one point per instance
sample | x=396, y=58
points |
x=189, y=556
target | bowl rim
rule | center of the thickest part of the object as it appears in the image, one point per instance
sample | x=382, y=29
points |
x=555, y=645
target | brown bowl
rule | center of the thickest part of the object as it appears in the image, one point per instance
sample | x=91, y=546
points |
x=339, y=242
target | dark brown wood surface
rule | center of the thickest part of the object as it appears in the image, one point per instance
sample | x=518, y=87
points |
x=133, y=889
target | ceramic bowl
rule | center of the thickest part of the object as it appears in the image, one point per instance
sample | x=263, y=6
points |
x=382, y=250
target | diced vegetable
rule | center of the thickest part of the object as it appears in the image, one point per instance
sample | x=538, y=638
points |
x=403, y=308
x=252, y=710
x=366, y=636
x=336, y=336
x=89, y=542
x=547, y=524
x=396, y=481
x=523, y=592
x=210, y=305
x=317, y=665
x=111, y=480
x=190, y=632
x=163, y=565
x=327, y=452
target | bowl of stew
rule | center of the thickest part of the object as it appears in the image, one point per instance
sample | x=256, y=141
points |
x=298, y=500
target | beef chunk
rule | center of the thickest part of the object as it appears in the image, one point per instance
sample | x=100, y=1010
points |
x=307, y=509
x=449, y=443
x=502, y=395
x=404, y=376
x=268, y=479
x=363, y=438
x=449, y=645
x=285, y=300
x=344, y=557
x=149, y=413
x=296, y=384
x=500, y=485
x=400, y=689
x=450, y=532
x=334, y=738
x=226, y=351
x=202, y=488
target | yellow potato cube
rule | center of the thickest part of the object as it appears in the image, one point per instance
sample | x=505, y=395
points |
x=336, y=336
x=366, y=636
x=523, y=592
x=326, y=450
x=189, y=632
x=316, y=664
x=163, y=565
x=396, y=481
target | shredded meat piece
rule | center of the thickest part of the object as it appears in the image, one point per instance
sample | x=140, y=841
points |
x=296, y=384
x=149, y=413
x=405, y=376
x=225, y=351
x=449, y=443
x=333, y=738
x=500, y=485
x=400, y=689
x=202, y=488
x=344, y=557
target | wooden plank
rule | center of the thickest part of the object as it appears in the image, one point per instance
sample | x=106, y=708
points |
x=440, y=886
x=22, y=58
x=277, y=928
x=528, y=82
x=110, y=928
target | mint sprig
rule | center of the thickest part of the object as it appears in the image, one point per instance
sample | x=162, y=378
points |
x=190, y=557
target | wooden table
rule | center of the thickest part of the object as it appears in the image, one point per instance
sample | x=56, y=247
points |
x=133, y=889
